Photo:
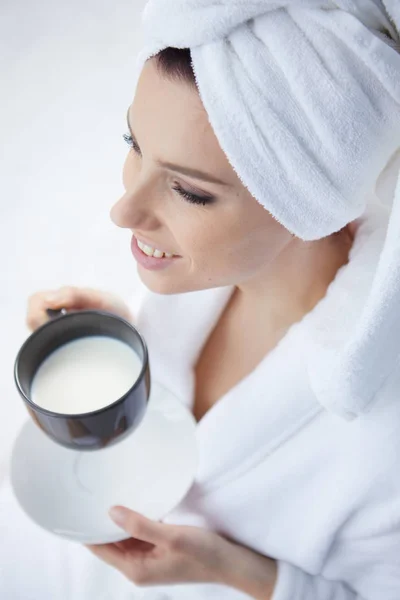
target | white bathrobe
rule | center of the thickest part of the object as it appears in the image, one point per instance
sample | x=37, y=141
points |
x=277, y=473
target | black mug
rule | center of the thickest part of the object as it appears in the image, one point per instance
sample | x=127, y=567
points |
x=91, y=430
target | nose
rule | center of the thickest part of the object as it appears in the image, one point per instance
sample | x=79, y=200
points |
x=134, y=209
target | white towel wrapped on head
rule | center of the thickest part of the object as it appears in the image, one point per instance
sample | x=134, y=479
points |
x=304, y=98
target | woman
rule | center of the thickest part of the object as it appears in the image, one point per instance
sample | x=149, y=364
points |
x=297, y=494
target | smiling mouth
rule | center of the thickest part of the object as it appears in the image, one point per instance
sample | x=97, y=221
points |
x=153, y=252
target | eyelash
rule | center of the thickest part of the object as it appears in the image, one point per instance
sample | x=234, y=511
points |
x=131, y=142
x=188, y=196
x=192, y=198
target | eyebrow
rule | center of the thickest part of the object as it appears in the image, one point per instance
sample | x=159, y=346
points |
x=201, y=175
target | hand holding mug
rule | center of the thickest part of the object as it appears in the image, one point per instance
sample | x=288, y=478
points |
x=73, y=298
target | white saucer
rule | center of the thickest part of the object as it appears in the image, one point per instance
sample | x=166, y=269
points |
x=69, y=492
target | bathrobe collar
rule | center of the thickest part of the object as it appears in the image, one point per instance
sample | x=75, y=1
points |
x=277, y=399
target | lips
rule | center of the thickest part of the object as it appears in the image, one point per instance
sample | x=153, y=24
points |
x=151, y=263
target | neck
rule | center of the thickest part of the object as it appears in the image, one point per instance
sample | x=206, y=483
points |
x=296, y=281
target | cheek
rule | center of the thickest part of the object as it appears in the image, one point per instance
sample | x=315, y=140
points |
x=202, y=237
x=223, y=244
x=236, y=245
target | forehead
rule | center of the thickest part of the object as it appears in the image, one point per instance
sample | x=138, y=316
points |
x=168, y=117
x=168, y=103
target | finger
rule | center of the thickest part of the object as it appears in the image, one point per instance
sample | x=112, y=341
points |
x=110, y=554
x=97, y=299
x=83, y=298
x=39, y=303
x=139, y=527
x=69, y=297
x=122, y=560
x=36, y=314
x=134, y=546
x=36, y=320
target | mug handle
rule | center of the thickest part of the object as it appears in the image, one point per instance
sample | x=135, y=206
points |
x=55, y=314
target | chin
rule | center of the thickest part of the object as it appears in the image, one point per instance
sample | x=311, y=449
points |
x=161, y=283
x=165, y=284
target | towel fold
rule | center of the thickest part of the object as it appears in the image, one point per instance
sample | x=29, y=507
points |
x=304, y=98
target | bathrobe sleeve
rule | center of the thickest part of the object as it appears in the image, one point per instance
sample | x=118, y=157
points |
x=363, y=563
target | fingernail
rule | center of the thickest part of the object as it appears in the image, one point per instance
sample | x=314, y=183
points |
x=118, y=515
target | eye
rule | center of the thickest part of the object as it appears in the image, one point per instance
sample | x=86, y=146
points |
x=192, y=198
x=131, y=143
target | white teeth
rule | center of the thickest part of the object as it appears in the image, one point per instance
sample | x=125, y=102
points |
x=148, y=250
x=153, y=251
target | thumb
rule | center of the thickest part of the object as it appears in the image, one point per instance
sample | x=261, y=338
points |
x=138, y=526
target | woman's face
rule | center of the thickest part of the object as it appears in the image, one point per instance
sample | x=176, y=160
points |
x=226, y=237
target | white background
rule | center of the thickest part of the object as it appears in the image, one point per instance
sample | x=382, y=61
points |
x=65, y=86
